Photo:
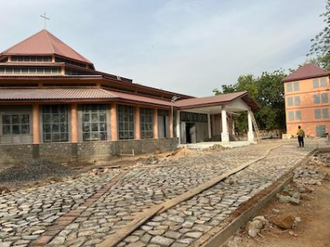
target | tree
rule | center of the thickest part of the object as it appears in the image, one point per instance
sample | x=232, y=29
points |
x=320, y=50
x=268, y=91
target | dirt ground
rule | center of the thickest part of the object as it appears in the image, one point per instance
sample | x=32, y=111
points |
x=312, y=231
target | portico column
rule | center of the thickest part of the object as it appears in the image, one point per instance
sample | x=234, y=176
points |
x=178, y=127
x=137, y=123
x=171, y=124
x=250, y=131
x=35, y=123
x=155, y=123
x=209, y=125
x=74, y=123
x=224, y=133
x=114, y=125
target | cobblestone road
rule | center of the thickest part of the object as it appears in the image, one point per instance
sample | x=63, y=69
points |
x=23, y=214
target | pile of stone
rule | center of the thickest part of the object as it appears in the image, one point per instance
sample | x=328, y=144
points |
x=254, y=227
x=33, y=170
x=309, y=175
x=320, y=159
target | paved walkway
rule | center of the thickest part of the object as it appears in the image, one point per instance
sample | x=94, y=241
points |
x=26, y=216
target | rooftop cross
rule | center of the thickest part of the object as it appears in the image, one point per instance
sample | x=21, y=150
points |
x=44, y=16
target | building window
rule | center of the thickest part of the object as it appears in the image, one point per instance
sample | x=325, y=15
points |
x=55, y=123
x=290, y=101
x=297, y=100
x=324, y=97
x=323, y=82
x=125, y=122
x=15, y=124
x=31, y=58
x=94, y=122
x=317, y=113
x=292, y=86
x=325, y=113
x=146, y=123
x=298, y=115
x=315, y=83
x=289, y=87
x=291, y=116
x=317, y=99
x=30, y=71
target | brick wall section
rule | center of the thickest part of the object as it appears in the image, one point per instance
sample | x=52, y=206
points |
x=83, y=152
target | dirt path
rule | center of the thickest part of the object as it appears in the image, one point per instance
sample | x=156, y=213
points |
x=313, y=231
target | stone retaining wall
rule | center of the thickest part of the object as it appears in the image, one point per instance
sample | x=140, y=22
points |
x=83, y=152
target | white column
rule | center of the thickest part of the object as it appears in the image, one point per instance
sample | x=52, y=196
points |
x=224, y=133
x=178, y=129
x=209, y=125
x=250, y=131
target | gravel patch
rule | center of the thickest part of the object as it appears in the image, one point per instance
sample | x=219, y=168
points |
x=34, y=170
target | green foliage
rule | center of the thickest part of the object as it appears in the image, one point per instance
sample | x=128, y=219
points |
x=268, y=91
x=319, y=53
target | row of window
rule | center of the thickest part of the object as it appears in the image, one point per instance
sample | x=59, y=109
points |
x=31, y=58
x=296, y=101
x=55, y=123
x=318, y=114
x=317, y=82
x=294, y=115
x=318, y=99
x=33, y=70
x=321, y=98
x=292, y=86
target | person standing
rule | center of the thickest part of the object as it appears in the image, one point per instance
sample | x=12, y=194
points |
x=301, y=135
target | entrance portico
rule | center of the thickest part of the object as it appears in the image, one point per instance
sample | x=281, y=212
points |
x=211, y=118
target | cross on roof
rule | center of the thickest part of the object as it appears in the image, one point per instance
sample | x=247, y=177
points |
x=44, y=16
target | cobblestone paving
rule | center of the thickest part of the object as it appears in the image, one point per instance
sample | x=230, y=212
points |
x=188, y=221
x=143, y=188
x=26, y=214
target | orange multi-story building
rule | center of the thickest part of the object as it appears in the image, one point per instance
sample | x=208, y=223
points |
x=307, y=101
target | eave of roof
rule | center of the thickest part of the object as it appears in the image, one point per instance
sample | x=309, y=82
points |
x=221, y=99
x=308, y=71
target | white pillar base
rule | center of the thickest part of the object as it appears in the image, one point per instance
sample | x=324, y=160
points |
x=251, y=136
x=224, y=137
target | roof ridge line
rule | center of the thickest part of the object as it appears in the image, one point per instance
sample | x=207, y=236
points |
x=51, y=45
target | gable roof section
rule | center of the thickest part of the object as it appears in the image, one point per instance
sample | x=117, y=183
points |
x=44, y=43
x=306, y=72
x=221, y=99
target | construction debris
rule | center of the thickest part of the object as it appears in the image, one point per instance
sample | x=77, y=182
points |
x=256, y=225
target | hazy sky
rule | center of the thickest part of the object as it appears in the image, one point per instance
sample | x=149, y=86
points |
x=187, y=46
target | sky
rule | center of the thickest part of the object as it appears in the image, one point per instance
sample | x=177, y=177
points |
x=186, y=46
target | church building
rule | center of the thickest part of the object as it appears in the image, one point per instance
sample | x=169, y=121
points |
x=54, y=104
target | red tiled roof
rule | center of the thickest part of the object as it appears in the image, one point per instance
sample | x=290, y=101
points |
x=98, y=94
x=54, y=94
x=306, y=72
x=142, y=99
x=44, y=43
x=74, y=94
x=217, y=100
